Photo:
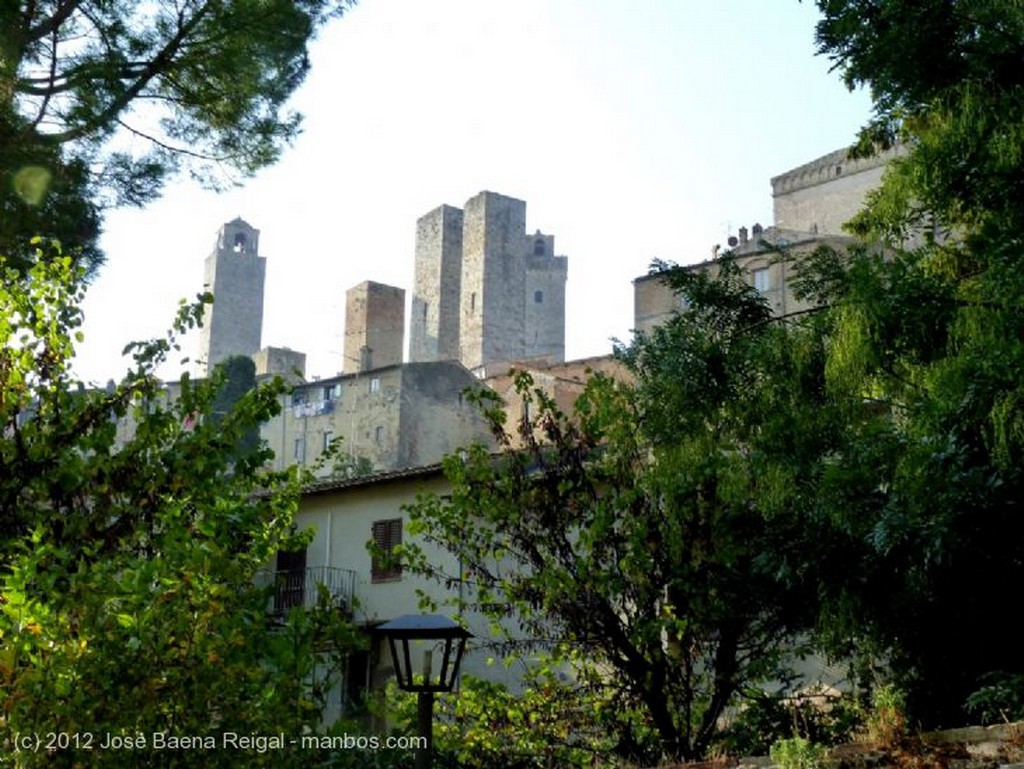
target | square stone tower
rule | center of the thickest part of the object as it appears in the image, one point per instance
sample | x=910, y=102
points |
x=493, y=322
x=374, y=327
x=235, y=273
x=544, y=311
x=485, y=291
x=434, y=324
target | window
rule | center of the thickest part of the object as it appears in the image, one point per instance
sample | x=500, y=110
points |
x=762, y=280
x=374, y=385
x=290, y=579
x=298, y=397
x=538, y=247
x=387, y=535
x=378, y=434
x=538, y=297
x=472, y=302
x=300, y=449
x=328, y=437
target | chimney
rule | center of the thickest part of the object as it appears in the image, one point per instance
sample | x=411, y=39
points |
x=743, y=236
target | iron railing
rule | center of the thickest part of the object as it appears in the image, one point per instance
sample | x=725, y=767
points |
x=301, y=587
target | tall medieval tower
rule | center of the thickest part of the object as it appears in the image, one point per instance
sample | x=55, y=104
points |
x=434, y=325
x=235, y=273
x=485, y=291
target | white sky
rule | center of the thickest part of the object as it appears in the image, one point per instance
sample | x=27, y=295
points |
x=632, y=131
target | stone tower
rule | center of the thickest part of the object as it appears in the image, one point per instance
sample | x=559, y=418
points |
x=235, y=273
x=485, y=291
x=374, y=327
x=434, y=325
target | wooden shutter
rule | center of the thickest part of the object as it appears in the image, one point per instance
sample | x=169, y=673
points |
x=386, y=536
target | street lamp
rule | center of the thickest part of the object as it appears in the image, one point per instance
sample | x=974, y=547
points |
x=430, y=632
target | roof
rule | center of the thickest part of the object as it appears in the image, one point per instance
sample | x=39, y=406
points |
x=328, y=485
x=768, y=240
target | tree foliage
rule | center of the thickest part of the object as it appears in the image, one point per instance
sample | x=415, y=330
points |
x=127, y=563
x=946, y=80
x=932, y=490
x=652, y=531
x=101, y=101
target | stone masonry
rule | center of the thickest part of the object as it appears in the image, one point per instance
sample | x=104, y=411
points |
x=434, y=325
x=485, y=290
x=819, y=197
x=235, y=273
x=374, y=326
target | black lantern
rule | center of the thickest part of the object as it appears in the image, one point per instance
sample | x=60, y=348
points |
x=413, y=636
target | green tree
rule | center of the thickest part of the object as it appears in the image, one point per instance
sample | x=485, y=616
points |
x=928, y=490
x=550, y=723
x=652, y=532
x=200, y=85
x=239, y=372
x=127, y=570
x=945, y=80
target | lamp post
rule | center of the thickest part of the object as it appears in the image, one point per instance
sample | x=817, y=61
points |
x=428, y=633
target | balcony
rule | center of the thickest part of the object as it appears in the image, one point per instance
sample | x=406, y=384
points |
x=300, y=587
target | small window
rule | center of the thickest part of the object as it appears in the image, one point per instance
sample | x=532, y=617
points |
x=538, y=297
x=762, y=280
x=329, y=393
x=538, y=247
x=472, y=302
x=374, y=385
x=378, y=434
x=426, y=309
x=298, y=397
x=387, y=535
x=300, y=449
x=328, y=437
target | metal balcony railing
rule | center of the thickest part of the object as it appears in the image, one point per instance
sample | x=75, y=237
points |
x=300, y=587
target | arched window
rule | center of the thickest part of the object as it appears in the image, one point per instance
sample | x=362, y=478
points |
x=538, y=247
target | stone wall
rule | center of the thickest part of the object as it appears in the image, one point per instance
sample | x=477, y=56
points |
x=374, y=326
x=759, y=260
x=493, y=279
x=291, y=364
x=485, y=290
x=434, y=324
x=396, y=417
x=821, y=196
x=235, y=273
